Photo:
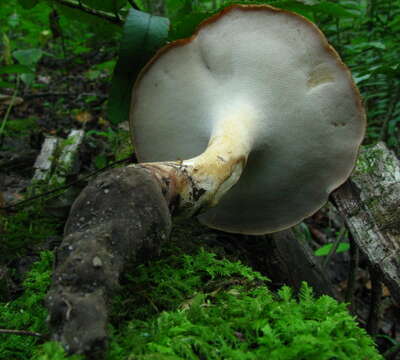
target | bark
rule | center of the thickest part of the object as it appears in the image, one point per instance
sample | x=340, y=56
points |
x=370, y=204
x=120, y=217
x=44, y=161
x=58, y=158
x=297, y=263
x=286, y=259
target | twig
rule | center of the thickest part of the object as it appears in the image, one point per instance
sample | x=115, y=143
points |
x=66, y=186
x=333, y=248
x=20, y=332
x=376, y=296
x=101, y=14
x=7, y=114
x=352, y=275
x=45, y=94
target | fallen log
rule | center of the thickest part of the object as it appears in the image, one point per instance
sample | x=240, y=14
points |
x=370, y=204
x=120, y=217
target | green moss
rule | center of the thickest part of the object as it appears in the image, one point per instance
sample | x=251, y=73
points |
x=196, y=306
x=53, y=351
x=370, y=159
x=200, y=307
x=26, y=312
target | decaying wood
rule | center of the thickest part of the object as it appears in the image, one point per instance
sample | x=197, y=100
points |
x=44, y=161
x=119, y=217
x=287, y=259
x=302, y=263
x=370, y=203
x=68, y=156
x=58, y=158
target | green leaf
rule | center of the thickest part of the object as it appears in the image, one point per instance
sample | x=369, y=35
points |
x=100, y=161
x=143, y=34
x=178, y=8
x=143, y=5
x=298, y=7
x=15, y=69
x=7, y=85
x=325, y=249
x=105, y=5
x=28, y=4
x=28, y=57
x=28, y=79
x=184, y=26
x=377, y=45
x=333, y=9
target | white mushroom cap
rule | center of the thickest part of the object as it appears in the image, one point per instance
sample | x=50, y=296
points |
x=306, y=116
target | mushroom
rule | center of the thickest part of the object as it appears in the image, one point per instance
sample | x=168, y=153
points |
x=264, y=109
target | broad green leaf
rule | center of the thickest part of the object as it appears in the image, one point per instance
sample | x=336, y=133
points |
x=143, y=34
x=28, y=57
x=28, y=79
x=15, y=69
x=28, y=4
x=105, y=5
x=325, y=249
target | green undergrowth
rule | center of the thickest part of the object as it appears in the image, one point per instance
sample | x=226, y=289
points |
x=20, y=127
x=195, y=305
x=25, y=229
x=26, y=312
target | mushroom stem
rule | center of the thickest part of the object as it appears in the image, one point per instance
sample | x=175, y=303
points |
x=200, y=182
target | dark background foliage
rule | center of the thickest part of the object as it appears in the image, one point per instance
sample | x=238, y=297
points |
x=71, y=64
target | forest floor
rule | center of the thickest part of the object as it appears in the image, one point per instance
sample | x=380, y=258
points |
x=75, y=98
x=70, y=91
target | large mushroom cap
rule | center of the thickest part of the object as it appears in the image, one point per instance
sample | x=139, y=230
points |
x=308, y=113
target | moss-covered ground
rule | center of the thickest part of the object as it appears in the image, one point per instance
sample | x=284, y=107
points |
x=193, y=304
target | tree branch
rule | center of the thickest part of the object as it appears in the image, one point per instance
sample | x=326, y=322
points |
x=20, y=332
x=100, y=14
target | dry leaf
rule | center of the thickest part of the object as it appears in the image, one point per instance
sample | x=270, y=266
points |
x=84, y=117
x=7, y=100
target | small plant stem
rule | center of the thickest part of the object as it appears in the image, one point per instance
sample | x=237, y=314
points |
x=100, y=14
x=7, y=114
x=376, y=295
x=334, y=248
x=352, y=275
x=131, y=2
x=20, y=332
